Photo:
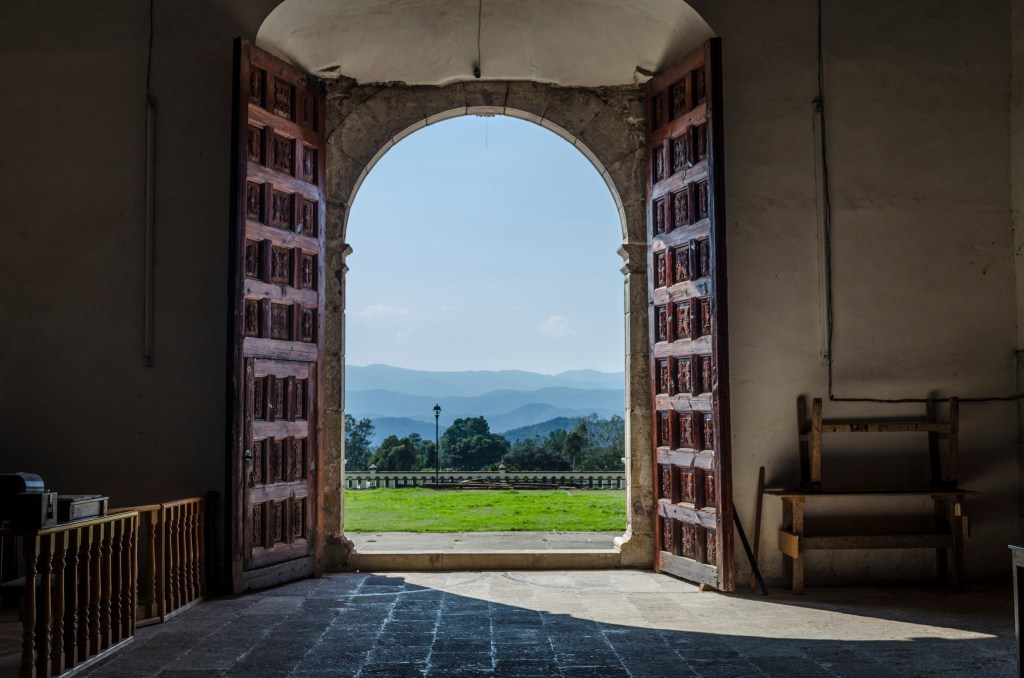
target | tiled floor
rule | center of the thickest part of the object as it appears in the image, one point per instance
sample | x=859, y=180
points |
x=593, y=624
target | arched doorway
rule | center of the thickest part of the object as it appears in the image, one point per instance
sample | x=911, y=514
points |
x=484, y=243
x=615, y=147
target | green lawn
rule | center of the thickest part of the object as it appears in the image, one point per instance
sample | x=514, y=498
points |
x=419, y=510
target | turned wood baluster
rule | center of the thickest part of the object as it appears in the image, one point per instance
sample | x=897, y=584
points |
x=115, y=581
x=172, y=560
x=197, y=575
x=103, y=573
x=152, y=592
x=87, y=623
x=45, y=609
x=28, y=614
x=59, y=564
x=160, y=521
x=193, y=548
x=200, y=550
x=128, y=560
x=185, y=537
x=71, y=574
x=183, y=573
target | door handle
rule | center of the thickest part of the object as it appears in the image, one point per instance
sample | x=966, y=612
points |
x=252, y=472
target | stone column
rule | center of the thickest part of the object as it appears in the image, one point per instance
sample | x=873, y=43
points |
x=637, y=544
x=336, y=547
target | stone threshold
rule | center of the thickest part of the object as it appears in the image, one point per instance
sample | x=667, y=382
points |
x=450, y=561
x=432, y=552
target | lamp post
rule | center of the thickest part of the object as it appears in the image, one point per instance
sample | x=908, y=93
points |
x=437, y=447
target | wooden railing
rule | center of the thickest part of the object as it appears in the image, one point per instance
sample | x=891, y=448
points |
x=79, y=596
x=171, y=558
x=591, y=480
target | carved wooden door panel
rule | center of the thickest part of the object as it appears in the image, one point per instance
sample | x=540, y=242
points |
x=689, y=344
x=277, y=321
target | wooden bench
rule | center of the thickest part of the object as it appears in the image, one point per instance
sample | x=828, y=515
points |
x=949, y=522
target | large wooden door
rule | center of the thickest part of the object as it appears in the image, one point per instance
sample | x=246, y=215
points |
x=277, y=327
x=689, y=344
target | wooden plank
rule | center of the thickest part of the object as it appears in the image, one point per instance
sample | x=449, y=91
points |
x=678, y=181
x=851, y=426
x=257, y=347
x=279, y=491
x=283, y=182
x=283, y=126
x=815, y=443
x=686, y=458
x=683, y=234
x=683, y=403
x=280, y=293
x=280, y=429
x=681, y=291
x=688, y=569
x=683, y=348
x=268, y=577
x=281, y=368
x=871, y=492
x=281, y=552
x=789, y=543
x=876, y=541
x=281, y=237
x=757, y=524
x=706, y=517
x=953, y=443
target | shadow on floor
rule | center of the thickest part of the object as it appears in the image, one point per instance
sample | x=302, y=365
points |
x=593, y=624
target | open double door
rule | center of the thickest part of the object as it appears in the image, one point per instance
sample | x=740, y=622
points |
x=277, y=324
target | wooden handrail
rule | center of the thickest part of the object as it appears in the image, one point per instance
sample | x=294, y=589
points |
x=79, y=598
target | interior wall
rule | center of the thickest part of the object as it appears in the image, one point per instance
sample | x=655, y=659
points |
x=77, y=405
x=919, y=128
x=917, y=122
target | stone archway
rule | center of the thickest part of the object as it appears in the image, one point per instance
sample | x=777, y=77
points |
x=606, y=124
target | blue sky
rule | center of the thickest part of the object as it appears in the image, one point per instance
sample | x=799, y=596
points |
x=485, y=243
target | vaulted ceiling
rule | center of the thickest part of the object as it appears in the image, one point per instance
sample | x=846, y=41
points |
x=567, y=42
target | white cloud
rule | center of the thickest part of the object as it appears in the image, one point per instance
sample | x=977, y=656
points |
x=382, y=311
x=557, y=326
x=402, y=335
x=446, y=309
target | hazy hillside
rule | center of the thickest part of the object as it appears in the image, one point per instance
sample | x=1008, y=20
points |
x=403, y=426
x=471, y=383
x=401, y=401
x=383, y=403
x=540, y=430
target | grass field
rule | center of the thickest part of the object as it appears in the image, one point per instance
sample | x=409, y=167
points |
x=419, y=510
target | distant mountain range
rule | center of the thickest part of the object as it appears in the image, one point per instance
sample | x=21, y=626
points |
x=400, y=401
x=471, y=383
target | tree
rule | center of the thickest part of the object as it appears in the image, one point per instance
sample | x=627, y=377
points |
x=469, y=445
x=424, y=450
x=357, y=443
x=396, y=454
x=533, y=455
x=573, y=446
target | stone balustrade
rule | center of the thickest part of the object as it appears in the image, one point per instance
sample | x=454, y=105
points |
x=590, y=480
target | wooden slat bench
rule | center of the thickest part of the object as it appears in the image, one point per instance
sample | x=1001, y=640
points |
x=950, y=524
